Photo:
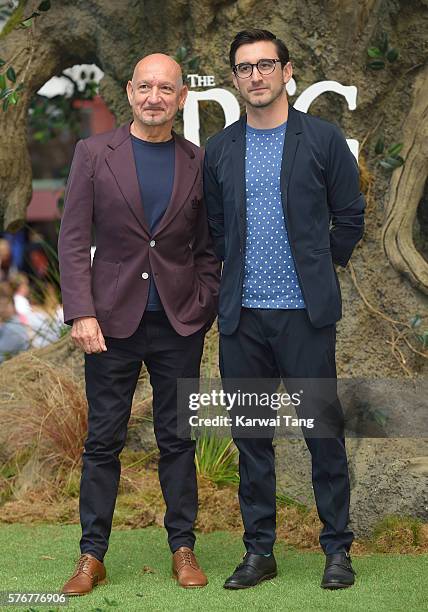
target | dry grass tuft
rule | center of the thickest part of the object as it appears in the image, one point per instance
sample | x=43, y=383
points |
x=41, y=506
x=46, y=410
x=400, y=534
x=366, y=177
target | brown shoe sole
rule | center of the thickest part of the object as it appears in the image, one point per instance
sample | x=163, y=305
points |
x=189, y=586
x=99, y=583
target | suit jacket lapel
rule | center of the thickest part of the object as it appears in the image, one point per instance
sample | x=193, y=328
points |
x=238, y=160
x=291, y=143
x=122, y=165
x=185, y=172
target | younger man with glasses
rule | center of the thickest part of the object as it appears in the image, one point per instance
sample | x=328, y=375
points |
x=284, y=206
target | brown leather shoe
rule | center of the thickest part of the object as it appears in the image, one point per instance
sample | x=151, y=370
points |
x=89, y=573
x=185, y=569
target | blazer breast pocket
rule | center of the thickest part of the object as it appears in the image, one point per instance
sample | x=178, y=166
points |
x=192, y=207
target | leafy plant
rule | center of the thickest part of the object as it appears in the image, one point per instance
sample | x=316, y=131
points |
x=216, y=459
x=9, y=94
x=44, y=6
x=9, y=91
x=188, y=63
x=286, y=500
x=391, y=159
x=380, y=55
x=49, y=117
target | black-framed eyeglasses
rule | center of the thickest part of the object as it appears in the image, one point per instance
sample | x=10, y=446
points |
x=264, y=66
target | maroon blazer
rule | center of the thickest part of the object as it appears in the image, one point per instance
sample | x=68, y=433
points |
x=103, y=191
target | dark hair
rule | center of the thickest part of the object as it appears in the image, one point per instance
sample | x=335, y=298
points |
x=253, y=35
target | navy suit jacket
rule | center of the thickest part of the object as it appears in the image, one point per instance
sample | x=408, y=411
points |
x=322, y=203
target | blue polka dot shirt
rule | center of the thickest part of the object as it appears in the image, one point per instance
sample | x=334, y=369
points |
x=270, y=279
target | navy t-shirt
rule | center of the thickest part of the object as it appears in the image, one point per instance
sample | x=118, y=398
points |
x=155, y=163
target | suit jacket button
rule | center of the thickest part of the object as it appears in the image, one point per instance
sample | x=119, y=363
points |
x=145, y=275
x=152, y=243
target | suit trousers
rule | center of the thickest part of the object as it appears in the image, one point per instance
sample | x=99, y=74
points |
x=283, y=344
x=111, y=378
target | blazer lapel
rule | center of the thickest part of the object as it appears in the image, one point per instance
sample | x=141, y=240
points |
x=291, y=143
x=122, y=165
x=185, y=172
x=238, y=161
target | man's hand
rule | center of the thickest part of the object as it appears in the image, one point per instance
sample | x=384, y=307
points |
x=87, y=335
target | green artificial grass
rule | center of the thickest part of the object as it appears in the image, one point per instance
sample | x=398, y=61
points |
x=42, y=557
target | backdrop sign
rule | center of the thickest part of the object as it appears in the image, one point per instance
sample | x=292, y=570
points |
x=230, y=104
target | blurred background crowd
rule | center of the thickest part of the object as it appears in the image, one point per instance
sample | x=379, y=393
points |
x=31, y=314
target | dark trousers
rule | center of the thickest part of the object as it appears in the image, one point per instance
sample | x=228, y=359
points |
x=282, y=344
x=111, y=378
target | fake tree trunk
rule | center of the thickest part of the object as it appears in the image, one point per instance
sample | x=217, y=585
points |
x=328, y=40
x=407, y=189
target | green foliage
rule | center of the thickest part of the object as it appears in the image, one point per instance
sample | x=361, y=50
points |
x=187, y=62
x=377, y=64
x=27, y=23
x=11, y=75
x=16, y=17
x=42, y=8
x=391, y=162
x=392, y=525
x=380, y=55
x=286, y=500
x=216, y=459
x=394, y=150
x=380, y=145
x=392, y=159
x=49, y=117
x=10, y=95
x=392, y=55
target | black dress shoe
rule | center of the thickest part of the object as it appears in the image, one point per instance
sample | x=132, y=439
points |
x=252, y=570
x=338, y=572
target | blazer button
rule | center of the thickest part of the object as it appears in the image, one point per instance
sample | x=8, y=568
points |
x=145, y=275
x=152, y=243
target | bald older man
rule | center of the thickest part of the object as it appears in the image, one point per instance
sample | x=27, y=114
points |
x=150, y=296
